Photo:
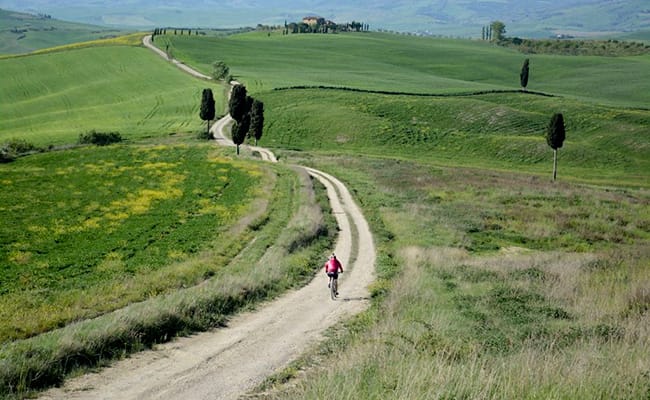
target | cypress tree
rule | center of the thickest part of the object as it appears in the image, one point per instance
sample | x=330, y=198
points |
x=523, y=76
x=257, y=120
x=240, y=129
x=555, y=135
x=238, y=103
x=207, y=112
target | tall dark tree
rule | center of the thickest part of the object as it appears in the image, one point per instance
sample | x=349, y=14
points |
x=240, y=129
x=207, y=112
x=238, y=103
x=555, y=135
x=257, y=120
x=523, y=75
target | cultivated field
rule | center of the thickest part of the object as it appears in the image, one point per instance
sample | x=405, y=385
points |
x=51, y=98
x=411, y=64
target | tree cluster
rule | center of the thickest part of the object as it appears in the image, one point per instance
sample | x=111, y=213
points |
x=324, y=26
x=607, y=48
x=163, y=31
x=220, y=71
x=248, y=114
x=493, y=32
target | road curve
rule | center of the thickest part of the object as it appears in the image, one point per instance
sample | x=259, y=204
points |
x=227, y=362
x=148, y=42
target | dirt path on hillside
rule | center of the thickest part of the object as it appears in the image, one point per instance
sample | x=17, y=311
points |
x=147, y=42
x=226, y=363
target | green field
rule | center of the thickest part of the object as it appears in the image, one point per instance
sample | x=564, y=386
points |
x=52, y=98
x=24, y=33
x=503, y=131
x=82, y=226
x=486, y=269
x=410, y=64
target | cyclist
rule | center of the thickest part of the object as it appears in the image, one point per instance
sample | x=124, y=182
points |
x=332, y=268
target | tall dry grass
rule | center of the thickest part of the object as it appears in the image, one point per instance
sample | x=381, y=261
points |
x=423, y=346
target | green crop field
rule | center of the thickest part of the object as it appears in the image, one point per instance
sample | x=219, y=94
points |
x=51, y=98
x=410, y=64
x=502, y=131
x=81, y=227
x=24, y=33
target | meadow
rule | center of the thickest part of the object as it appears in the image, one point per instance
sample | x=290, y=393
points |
x=486, y=269
x=24, y=33
x=493, y=281
x=51, y=98
x=90, y=230
x=397, y=63
x=492, y=284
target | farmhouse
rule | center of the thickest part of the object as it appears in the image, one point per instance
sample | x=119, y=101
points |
x=313, y=20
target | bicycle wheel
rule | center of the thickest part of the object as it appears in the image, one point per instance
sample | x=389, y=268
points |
x=333, y=288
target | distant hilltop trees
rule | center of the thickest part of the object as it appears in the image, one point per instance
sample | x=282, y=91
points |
x=315, y=24
x=562, y=44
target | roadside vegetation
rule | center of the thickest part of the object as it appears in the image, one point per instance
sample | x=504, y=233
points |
x=493, y=284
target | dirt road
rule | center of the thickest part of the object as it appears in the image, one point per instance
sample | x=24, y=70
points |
x=226, y=363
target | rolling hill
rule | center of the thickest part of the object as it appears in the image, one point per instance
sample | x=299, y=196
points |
x=485, y=268
x=441, y=17
x=23, y=33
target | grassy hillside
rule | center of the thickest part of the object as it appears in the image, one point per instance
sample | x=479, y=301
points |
x=492, y=285
x=24, y=33
x=503, y=131
x=410, y=64
x=605, y=143
x=51, y=98
x=486, y=269
x=493, y=282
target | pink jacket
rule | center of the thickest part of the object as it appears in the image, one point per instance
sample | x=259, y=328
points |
x=333, y=265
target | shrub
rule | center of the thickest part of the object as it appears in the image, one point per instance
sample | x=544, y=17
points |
x=100, y=138
x=15, y=148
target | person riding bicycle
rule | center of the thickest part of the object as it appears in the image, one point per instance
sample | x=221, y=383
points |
x=332, y=268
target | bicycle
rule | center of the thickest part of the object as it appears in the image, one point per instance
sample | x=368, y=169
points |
x=334, y=287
